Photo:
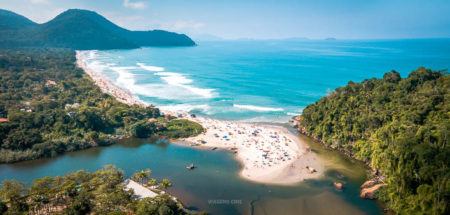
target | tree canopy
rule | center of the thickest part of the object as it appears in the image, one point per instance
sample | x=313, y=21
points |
x=52, y=107
x=99, y=192
x=400, y=126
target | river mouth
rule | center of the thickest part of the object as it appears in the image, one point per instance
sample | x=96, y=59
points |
x=215, y=186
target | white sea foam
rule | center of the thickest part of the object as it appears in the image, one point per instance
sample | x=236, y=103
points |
x=266, y=119
x=150, y=68
x=186, y=108
x=92, y=54
x=257, y=108
x=293, y=114
x=180, y=80
x=178, y=86
x=126, y=78
x=98, y=66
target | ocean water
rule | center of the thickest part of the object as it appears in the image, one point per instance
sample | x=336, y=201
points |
x=259, y=81
x=241, y=80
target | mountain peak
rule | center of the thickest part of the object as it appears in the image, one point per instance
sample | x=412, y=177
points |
x=82, y=29
x=78, y=12
x=10, y=20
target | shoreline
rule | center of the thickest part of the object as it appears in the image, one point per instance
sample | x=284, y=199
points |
x=268, y=154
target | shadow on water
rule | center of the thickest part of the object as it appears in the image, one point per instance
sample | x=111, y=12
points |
x=215, y=186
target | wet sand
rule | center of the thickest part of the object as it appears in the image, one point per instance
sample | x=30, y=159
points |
x=268, y=154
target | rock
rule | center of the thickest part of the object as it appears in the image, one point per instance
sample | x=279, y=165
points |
x=369, y=192
x=338, y=185
x=369, y=183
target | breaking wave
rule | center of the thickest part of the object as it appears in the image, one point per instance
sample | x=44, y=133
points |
x=257, y=108
x=150, y=68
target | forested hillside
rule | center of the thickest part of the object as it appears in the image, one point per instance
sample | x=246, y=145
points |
x=49, y=106
x=400, y=126
x=80, y=29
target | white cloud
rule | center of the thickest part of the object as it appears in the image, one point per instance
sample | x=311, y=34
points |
x=40, y=1
x=134, y=5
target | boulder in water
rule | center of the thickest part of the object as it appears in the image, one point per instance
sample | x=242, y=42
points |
x=338, y=185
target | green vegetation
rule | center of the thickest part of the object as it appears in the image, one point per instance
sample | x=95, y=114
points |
x=400, y=126
x=80, y=29
x=53, y=107
x=165, y=183
x=142, y=176
x=100, y=192
x=182, y=128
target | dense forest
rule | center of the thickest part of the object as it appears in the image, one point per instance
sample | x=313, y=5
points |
x=80, y=29
x=100, y=192
x=49, y=106
x=400, y=127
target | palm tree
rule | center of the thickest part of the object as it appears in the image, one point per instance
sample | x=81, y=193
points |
x=142, y=176
x=165, y=184
x=146, y=175
x=152, y=182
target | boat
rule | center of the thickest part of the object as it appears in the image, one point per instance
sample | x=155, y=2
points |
x=190, y=166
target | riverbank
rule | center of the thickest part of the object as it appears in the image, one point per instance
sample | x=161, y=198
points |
x=268, y=154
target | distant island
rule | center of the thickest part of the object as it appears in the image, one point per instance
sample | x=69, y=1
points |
x=81, y=30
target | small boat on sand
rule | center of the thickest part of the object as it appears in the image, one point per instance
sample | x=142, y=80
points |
x=190, y=166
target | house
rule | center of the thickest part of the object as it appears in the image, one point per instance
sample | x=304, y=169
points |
x=4, y=120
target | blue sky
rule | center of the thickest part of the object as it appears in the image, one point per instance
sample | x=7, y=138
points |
x=262, y=19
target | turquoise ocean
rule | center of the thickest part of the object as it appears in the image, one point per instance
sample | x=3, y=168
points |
x=259, y=81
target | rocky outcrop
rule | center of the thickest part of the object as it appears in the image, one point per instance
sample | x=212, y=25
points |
x=369, y=183
x=338, y=185
x=369, y=189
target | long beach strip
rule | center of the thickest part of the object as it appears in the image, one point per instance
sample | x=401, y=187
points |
x=268, y=154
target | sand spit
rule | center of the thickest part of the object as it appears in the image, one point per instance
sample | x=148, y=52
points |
x=268, y=154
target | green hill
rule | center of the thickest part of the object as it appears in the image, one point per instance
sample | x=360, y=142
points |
x=400, y=126
x=80, y=29
x=10, y=20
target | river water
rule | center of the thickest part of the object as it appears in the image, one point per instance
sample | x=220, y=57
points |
x=253, y=81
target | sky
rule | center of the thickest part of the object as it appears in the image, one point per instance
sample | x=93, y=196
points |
x=262, y=19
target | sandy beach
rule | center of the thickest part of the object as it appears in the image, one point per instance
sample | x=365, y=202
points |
x=268, y=154
x=106, y=86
